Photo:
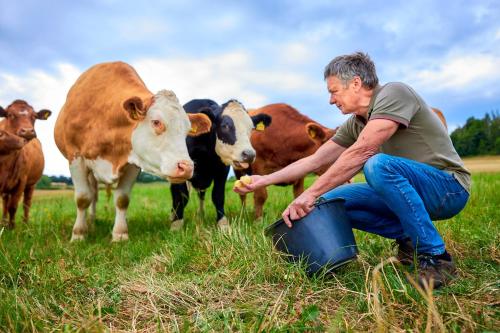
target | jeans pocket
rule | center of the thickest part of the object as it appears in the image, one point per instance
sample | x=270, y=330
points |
x=451, y=204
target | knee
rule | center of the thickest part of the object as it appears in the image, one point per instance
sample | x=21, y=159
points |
x=122, y=201
x=375, y=167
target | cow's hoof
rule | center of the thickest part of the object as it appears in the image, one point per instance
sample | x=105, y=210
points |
x=119, y=237
x=223, y=224
x=77, y=237
x=177, y=225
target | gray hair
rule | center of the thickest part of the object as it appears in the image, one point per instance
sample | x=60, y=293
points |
x=346, y=67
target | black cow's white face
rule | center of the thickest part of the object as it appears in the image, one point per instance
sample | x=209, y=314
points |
x=233, y=136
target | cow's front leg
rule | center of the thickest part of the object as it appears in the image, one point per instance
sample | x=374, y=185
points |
x=201, y=197
x=122, y=199
x=83, y=197
x=180, y=198
x=218, y=195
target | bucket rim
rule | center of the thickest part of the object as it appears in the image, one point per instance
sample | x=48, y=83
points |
x=319, y=202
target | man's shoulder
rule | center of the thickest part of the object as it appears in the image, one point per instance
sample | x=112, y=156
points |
x=396, y=88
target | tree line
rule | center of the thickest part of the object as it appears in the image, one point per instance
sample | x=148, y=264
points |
x=478, y=136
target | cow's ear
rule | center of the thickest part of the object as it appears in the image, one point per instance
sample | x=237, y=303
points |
x=200, y=124
x=261, y=121
x=43, y=114
x=315, y=132
x=3, y=113
x=135, y=108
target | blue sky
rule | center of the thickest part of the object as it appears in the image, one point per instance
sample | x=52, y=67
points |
x=259, y=52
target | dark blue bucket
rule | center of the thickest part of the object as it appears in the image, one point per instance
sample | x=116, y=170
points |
x=323, y=238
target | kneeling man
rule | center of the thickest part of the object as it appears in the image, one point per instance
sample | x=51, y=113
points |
x=413, y=173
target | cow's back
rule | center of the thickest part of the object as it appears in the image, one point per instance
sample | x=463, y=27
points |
x=286, y=139
x=92, y=122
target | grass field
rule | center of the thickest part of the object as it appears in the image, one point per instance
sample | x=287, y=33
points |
x=202, y=280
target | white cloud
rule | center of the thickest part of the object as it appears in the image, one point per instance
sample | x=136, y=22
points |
x=461, y=73
x=221, y=77
x=230, y=75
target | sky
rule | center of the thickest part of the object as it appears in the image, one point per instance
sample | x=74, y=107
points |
x=259, y=52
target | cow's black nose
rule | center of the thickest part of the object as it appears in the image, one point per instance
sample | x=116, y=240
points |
x=248, y=155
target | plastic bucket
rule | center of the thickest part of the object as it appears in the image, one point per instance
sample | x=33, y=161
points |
x=323, y=238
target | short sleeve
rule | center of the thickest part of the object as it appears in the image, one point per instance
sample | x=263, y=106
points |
x=396, y=102
x=345, y=133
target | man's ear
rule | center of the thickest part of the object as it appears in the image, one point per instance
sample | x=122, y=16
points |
x=43, y=114
x=261, y=121
x=315, y=132
x=135, y=108
x=3, y=113
x=200, y=124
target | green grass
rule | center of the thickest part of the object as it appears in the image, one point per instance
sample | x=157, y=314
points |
x=202, y=280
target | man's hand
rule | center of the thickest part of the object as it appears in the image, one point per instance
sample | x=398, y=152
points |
x=299, y=208
x=255, y=183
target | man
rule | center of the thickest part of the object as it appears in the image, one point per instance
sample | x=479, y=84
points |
x=413, y=173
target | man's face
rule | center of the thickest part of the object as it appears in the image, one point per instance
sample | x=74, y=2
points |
x=344, y=97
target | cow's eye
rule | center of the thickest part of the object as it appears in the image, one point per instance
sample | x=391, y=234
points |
x=156, y=123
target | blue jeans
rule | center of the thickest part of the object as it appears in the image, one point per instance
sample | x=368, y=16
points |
x=400, y=200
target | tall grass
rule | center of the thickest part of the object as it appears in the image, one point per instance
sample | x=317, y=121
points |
x=202, y=280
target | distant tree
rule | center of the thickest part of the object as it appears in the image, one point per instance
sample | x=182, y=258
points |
x=62, y=179
x=478, y=136
x=44, y=183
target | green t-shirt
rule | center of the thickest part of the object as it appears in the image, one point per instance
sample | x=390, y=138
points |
x=421, y=135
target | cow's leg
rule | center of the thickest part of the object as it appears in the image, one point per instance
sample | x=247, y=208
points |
x=259, y=198
x=298, y=187
x=94, y=188
x=27, y=196
x=5, y=201
x=12, y=204
x=201, y=197
x=218, y=194
x=83, y=197
x=122, y=199
x=180, y=198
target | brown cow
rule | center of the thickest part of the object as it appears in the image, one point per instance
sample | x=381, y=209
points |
x=21, y=169
x=110, y=127
x=290, y=137
x=440, y=116
x=9, y=143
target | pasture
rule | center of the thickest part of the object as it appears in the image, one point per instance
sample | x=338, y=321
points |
x=203, y=280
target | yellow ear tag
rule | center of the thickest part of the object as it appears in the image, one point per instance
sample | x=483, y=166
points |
x=312, y=134
x=45, y=115
x=193, y=130
x=260, y=126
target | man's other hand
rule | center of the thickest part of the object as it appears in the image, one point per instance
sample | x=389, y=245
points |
x=299, y=208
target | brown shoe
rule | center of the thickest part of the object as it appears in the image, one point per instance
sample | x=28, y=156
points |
x=405, y=251
x=435, y=268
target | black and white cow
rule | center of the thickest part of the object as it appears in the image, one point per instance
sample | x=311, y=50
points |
x=227, y=144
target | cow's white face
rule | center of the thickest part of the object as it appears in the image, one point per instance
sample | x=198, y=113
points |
x=233, y=136
x=159, y=140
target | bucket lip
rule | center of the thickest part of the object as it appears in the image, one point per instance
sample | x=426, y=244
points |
x=268, y=230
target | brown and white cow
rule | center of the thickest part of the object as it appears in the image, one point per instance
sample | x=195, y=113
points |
x=110, y=127
x=20, y=169
x=290, y=137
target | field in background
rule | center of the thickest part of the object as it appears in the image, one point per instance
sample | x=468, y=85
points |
x=202, y=280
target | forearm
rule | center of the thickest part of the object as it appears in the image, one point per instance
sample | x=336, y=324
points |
x=292, y=172
x=346, y=167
